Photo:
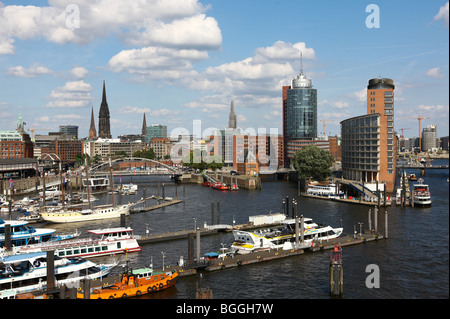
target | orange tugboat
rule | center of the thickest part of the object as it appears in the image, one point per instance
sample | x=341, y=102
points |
x=134, y=283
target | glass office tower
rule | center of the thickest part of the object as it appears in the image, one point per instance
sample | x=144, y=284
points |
x=300, y=110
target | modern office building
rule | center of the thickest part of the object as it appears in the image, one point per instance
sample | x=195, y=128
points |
x=369, y=143
x=155, y=131
x=429, y=141
x=299, y=112
x=71, y=131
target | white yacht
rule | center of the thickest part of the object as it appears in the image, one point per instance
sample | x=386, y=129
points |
x=421, y=193
x=107, y=241
x=70, y=216
x=282, y=237
x=21, y=273
x=329, y=190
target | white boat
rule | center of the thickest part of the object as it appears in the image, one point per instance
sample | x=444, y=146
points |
x=128, y=189
x=50, y=192
x=23, y=273
x=96, y=182
x=282, y=237
x=104, y=242
x=70, y=216
x=421, y=193
x=329, y=190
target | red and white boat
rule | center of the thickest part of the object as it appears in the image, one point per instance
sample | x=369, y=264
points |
x=220, y=186
x=106, y=241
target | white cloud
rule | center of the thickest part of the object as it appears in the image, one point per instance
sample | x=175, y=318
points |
x=72, y=95
x=433, y=108
x=360, y=96
x=101, y=18
x=442, y=15
x=79, y=72
x=435, y=73
x=30, y=72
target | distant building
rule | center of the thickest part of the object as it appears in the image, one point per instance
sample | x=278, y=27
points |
x=443, y=143
x=109, y=147
x=71, y=131
x=429, y=138
x=16, y=144
x=155, y=130
x=104, y=128
x=162, y=147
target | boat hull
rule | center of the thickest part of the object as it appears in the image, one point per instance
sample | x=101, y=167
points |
x=70, y=217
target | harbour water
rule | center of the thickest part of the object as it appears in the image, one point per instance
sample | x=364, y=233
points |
x=413, y=262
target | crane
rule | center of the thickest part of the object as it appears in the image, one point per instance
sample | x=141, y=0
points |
x=325, y=125
x=402, y=129
x=35, y=129
x=420, y=129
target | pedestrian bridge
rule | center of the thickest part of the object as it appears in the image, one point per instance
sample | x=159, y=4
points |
x=105, y=164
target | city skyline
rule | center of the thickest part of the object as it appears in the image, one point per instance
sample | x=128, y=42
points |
x=186, y=63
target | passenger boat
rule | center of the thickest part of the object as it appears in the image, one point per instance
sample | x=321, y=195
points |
x=22, y=234
x=50, y=192
x=329, y=190
x=282, y=237
x=421, y=193
x=96, y=182
x=70, y=216
x=23, y=273
x=128, y=189
x=135, y=282
x=107, y=241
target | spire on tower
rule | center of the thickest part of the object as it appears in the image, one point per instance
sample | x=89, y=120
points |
x=92, y=130
x=144, y=128
x=232, y=117
x=301, y=62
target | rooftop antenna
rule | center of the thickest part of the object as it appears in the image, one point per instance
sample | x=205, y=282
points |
x=301, y=62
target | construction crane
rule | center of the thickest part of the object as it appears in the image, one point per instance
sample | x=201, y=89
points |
x=325, y=125
x=401, y=129
x=420, y=129
x=35, y=129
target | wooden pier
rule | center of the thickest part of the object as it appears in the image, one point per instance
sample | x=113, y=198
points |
x=165, y=203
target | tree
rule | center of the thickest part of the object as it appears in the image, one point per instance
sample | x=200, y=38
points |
x=313, y=162
x=149, y=154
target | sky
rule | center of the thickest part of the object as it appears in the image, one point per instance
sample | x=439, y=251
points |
x=183, y=61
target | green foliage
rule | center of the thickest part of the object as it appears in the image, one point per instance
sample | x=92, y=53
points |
x=199, y=160
x=313, y=162
x=149, y=154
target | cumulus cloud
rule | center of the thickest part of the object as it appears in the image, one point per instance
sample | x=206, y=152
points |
x=73, y=94
x=433, y=108
x=30, y=72
x=442, y=15
x=172, y=22
x=79, y=72
x=435, y=73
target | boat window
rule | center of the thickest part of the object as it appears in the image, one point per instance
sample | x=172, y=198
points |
x=104, y=248
x=61, y=253
x=97, y=248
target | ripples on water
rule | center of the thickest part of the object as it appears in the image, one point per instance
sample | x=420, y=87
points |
x=413, y=262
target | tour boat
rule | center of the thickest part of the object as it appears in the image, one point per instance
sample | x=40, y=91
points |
x=96, y=183
x=282, y=237
x=107, y=241
x=70, y=216
x=135, y=282
x=22, y=234
x=329, y=190
x=23, y=273
x=422, y=196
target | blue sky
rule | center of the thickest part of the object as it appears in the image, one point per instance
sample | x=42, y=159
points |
x=180, y=61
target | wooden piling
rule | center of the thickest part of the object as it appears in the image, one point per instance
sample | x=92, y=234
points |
x=386, y=224
x=50, y=270
x=370, y=219
x=212, y=213
x=198, y=245
x=218, y=212
x=336, y=272
x=375, y=221
x=191, y=248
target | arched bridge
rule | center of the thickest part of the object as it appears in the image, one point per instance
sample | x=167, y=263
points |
x=99, y=166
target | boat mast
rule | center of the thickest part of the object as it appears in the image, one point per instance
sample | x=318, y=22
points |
x=87, y=183
x=111, y=182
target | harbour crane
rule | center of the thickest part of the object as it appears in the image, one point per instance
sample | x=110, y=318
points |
x=402, y=129
x=35, y=129
x=420, y=129
x=325, y=125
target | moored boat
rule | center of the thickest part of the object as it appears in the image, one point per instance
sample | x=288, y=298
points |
x=69, y=216
x=330, y=190
x=21, y=273
x=282, y=237
x=134, y=283
x=421, y=193
x=106, y=241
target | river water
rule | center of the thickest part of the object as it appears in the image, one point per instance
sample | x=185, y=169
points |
x=413, y=262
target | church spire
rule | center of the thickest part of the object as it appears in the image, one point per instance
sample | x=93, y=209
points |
x=92, y=130
x=104, y=130
x=232, y=117
x=144, y=128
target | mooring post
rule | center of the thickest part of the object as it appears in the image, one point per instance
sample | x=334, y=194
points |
x=336, y=271
x=302, y=229
x=163, y=192
x=122, y=220
x=145, y=197
x=283, y=208
x=297, y=235
x=212, y=213
x=287, y=206
x=184, y=193
x=386, y=224
x=191, y=248
x=370, y=219
x=50, y=270
x=198, y=245
x=375, y=221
